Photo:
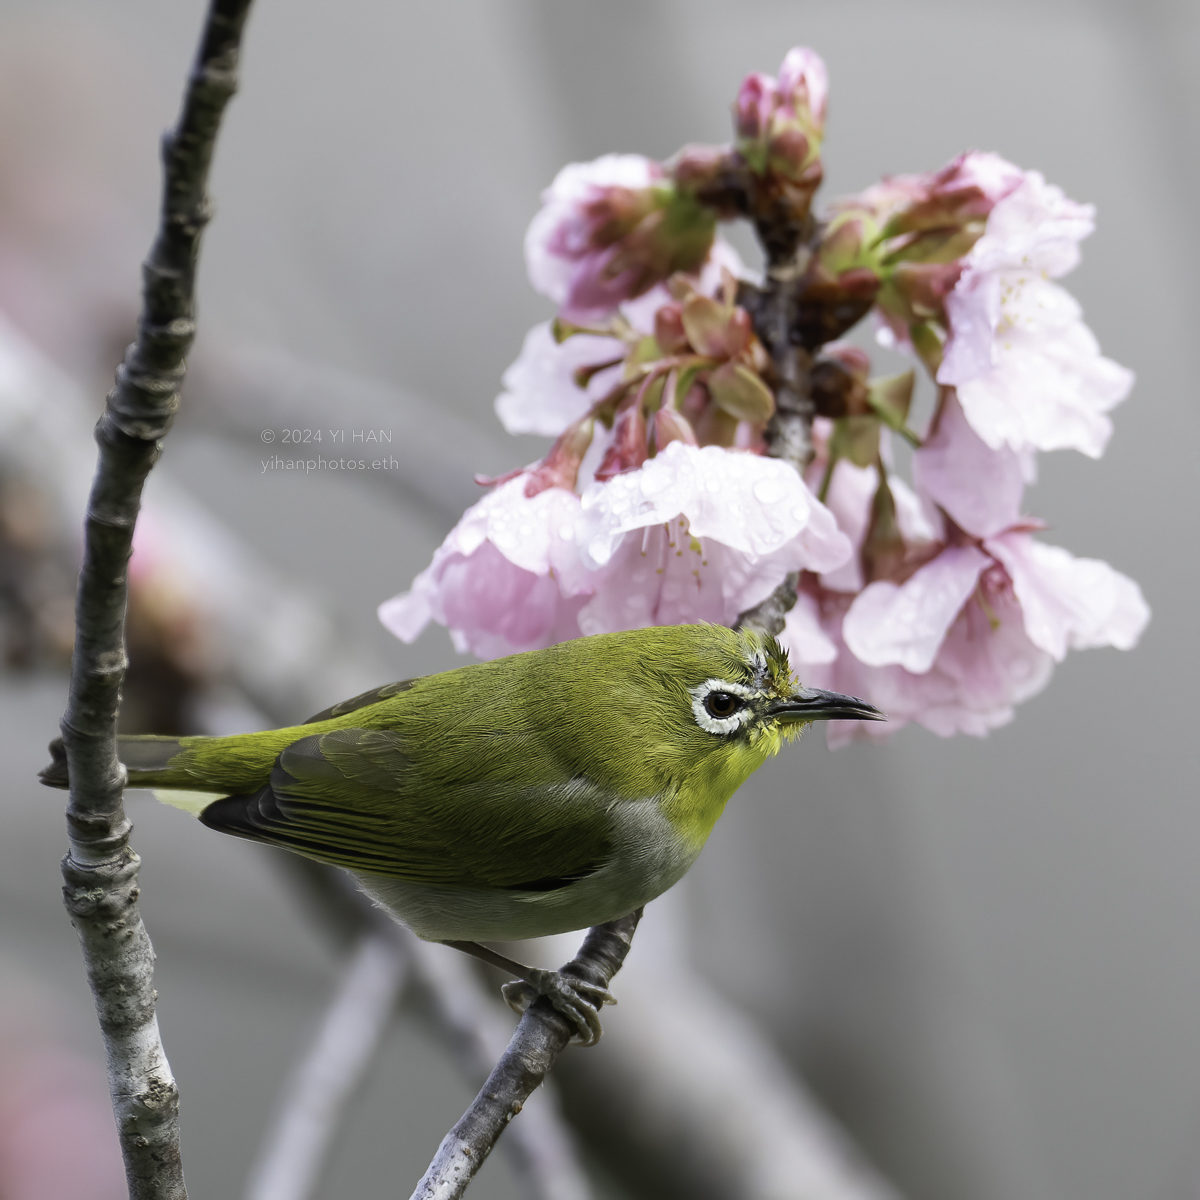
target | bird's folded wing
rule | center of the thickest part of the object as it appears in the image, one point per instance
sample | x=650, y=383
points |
x=354, y=798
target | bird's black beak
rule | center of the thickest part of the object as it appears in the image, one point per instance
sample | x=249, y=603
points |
x=814, y=704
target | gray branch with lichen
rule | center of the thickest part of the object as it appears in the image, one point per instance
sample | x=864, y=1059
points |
x=100, y=870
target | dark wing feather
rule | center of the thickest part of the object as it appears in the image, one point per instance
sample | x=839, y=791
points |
x=351, y=797
x=374, y=696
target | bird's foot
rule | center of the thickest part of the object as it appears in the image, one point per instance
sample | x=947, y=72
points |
x=575, y=999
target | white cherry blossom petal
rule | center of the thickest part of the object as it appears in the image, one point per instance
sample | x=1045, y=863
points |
x=540, y=393
x=904, y=625
x=1068, y=602
x=978, y=487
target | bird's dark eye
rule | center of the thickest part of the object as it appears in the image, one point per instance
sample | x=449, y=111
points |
x=722, y=704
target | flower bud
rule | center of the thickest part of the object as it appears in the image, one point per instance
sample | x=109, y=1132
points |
x=838, y=381
x=560, y=468
x=714, y=175
x=610, y=230
x=627, y=450
x=780, y=122
x=671, y=426
x=754, y=107
x=883, y=551
x=715, y=329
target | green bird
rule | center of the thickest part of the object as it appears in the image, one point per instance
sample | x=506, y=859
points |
x=536, y=794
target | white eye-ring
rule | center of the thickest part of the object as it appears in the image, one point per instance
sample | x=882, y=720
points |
x=720, y=706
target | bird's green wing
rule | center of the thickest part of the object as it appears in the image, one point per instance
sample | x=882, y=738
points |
x=355, y=798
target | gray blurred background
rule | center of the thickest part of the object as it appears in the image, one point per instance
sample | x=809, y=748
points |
x=984, y=955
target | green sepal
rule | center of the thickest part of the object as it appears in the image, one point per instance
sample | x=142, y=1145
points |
x=688, y=227
x=561, y=330
x=741, y=393
x=856, y=439
x=684, y=381
x=927, y=342
x=883, y=548
x=940, y=246
x=651, y=394
x=645, y=350
x=891, y=398
x=583, y=375
x=706, y=323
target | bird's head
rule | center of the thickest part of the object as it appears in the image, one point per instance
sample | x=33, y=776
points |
x=751, y=693
x=694, y=710
x=688, y=700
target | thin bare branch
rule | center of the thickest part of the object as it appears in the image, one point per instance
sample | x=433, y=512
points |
x=539, y=1039
x=539, y=1146
x=100, y=870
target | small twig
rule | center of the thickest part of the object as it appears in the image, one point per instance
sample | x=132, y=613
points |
x=293, y=1156
x=539, y=1146
x=770, y=615
x=539, y=1039
x=100, y=869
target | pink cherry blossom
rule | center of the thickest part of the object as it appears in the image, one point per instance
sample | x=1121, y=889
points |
x=541, y=394
x=1067, y=602
x=979, y=488
x=804, y=84
x=985, y=666
x=968, y=636
x=994, y=176
x=611, y=229
x=491, y=582
x=560, y=237
x=967, y=187
x=975, y=629
x=905, y=624
x=696, y=534
x=752, y=504
x=1028, y=371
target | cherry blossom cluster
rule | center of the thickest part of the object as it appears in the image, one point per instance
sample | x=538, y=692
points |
x=717, y=441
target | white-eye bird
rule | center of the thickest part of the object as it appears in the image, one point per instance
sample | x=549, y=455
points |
x=530, y=795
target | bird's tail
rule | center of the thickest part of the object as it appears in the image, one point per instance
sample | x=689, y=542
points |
x=173, y=768
x=145, y=756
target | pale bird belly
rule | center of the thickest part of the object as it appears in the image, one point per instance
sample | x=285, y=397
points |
x=650, y=856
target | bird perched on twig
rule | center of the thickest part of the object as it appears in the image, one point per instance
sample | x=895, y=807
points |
x=531, y=795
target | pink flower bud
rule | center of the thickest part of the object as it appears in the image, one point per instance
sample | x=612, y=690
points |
x=610, y=230
x=754, y=107
x=560, y=468
x=804, y=86
x=780, y=122
x=627, y=450
x=669, y=332
x=671, y=426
